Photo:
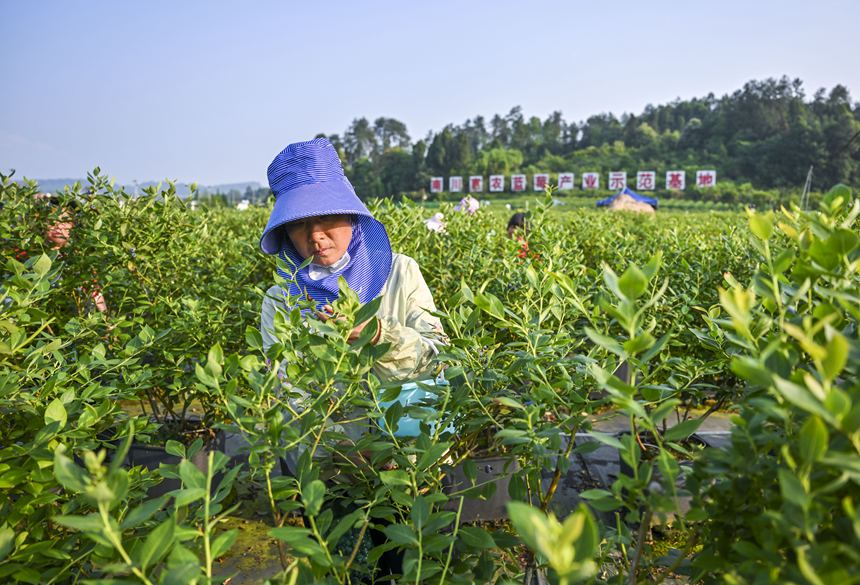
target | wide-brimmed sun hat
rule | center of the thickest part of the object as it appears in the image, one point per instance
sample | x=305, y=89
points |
x=307, y=180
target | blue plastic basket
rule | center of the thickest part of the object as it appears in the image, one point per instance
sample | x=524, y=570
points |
x=411, y=394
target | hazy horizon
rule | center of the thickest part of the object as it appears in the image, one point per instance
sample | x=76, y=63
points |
x=209, y=93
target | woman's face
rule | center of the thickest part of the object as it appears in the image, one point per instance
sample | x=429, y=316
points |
x=59, y=231
x=325, y=237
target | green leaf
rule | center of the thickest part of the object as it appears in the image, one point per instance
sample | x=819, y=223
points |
x=214, y=360
x=7, y=539
x=42, y=265
x=223, y=543
x=837, y=403
x=420, y=512
x=813, y=440
x=476, y=537
x=205, y=377
x=655, y=348
x=509, y=402
x=395, y=477
x=189, y=495
x=27, y=575
x=157, y=544
x=342, y=527
x=611, y=281
x=639, y=343
x=312, y=497
x=594, y=494
x=751, y=370
x=633, y=283
x=491, y=305
x=432, y=455
x=783, y=261
x=607, y=439
x=400, y=534
x=511, y=436
x=253, y=338
x=391, y=393
x=191, y=476
x=580, y=530
x=323, y=351
x=738, y=303
x=604, y=341
x=664, y=409
x=298, y=538
x=802, y=398
x=837, y=356
x=844, y=461
x=89, y=523
x=69, y=475
x=56, y=412
x=806, y=568
x=653, y=265
x=761, y=225
x=368, y=310
x=368, y=333
x=182, y=574
x=839, y=191
x=607, y=504
x=684, y=429
x=143, y=512
x=842, y=242
x=122, y=453
x=175, y=448
x=529, y=523
x=792, y=489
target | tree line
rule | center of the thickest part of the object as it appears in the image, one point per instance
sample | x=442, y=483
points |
x=766, y=134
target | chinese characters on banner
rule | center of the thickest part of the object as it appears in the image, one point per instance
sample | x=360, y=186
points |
x=518, y=183
x=646, y=180
x=617, y=180
x=541, y=181
x=706, y=179
x=676, y=180
x=565, y=181
x=497, y=183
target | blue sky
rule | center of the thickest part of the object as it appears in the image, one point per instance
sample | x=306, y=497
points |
x=211, y=91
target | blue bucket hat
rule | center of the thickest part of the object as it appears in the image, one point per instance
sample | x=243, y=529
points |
x=308, y=180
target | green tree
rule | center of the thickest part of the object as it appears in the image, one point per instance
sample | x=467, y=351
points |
x=397, y=172
x=365, y=179
x=359, y=141
x=389, y=133
x=498, y=161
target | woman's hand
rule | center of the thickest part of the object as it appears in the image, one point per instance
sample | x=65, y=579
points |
x=328, y=313
x=99, y=300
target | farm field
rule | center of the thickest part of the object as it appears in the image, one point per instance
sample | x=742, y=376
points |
x=144, y=443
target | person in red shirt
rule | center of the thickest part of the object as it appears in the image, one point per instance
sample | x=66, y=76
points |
x=517, y=230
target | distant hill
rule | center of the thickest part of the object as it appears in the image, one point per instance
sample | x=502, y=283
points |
x=183, y=189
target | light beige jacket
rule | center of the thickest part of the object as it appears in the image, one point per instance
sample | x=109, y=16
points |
x=405, y=317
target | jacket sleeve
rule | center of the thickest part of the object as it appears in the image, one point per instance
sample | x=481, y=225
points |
x=272, y=302
x=415, y=343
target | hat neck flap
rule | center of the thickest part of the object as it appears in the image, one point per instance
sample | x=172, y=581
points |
x=370, y=261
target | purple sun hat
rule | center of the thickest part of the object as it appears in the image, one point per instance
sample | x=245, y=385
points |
x=308, y=180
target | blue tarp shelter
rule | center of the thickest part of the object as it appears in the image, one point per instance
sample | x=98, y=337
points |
x=652, y=201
